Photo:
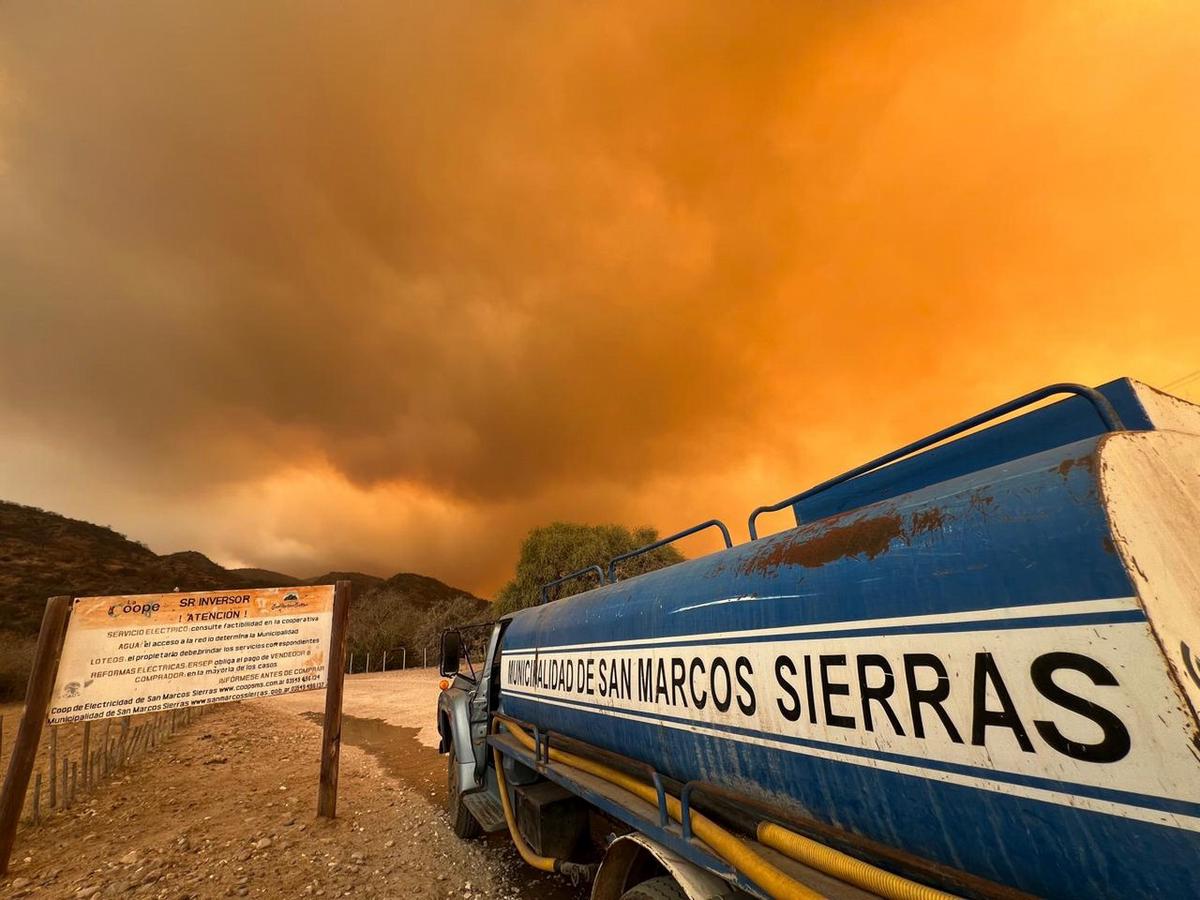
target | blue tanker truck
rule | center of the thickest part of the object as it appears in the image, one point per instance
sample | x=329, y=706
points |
x=971, y=668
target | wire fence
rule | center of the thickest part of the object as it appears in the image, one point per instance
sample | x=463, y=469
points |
x=397, y=658
x=73, y=760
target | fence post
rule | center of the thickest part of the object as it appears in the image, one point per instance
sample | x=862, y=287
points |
x=384, y=669
x=84, y=754
x=53, y=766
x=331, y=734
x=368, y=668
x=29, y=732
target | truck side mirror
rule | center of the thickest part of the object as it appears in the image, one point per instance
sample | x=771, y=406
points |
x=451, y=653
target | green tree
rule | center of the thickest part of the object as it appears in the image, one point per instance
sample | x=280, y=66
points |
x=383, y=619
x=458, y=612
x=560, y=548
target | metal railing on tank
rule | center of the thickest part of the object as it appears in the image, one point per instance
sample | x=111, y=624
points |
x=616, y=560
x=588, y=570
x=711, y=523
x=1108, y=415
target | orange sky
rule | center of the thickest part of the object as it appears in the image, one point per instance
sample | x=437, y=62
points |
x=381, y=286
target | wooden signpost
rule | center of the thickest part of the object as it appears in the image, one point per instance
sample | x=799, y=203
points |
x=331, y=733
x=29, y=732
x=198, y=648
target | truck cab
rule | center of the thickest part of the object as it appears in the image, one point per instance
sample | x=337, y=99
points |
x=471, y=689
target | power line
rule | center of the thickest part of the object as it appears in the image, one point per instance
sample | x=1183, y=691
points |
x=1178, y=382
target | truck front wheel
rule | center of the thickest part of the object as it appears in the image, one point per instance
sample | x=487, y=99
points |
x=464, y=824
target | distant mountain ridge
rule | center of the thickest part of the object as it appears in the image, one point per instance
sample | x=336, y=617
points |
x=43, y=554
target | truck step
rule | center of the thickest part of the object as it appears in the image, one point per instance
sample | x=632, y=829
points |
x=487, y=810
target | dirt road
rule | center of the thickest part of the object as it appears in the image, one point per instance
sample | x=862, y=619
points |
x=226, y=809
x=391, y=716
x=404, y=699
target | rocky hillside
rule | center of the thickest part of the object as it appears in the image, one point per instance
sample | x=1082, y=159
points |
x=43, y=554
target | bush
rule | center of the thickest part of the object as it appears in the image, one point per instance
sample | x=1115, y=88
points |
x=391, y=617
x=459, y=612
x=557, y=549
x=16, y=661
x=381, y=620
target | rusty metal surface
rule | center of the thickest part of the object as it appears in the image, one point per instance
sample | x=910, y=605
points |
x=845, y=535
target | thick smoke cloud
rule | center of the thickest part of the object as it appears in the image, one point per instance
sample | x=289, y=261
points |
x=377, y=284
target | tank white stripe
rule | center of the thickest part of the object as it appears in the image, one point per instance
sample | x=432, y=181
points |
x=1077, y=607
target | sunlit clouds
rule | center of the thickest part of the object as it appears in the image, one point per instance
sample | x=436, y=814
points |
x=381, y=286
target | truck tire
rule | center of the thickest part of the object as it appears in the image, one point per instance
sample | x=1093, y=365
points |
x=662, y=888
x=461, y=820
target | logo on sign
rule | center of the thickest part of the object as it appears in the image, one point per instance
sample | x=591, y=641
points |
x=291, y=600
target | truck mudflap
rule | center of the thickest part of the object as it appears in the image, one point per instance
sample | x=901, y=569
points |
x=629, y=851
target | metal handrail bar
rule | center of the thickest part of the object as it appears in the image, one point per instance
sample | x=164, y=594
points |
x=580, y=574
x=1108, y=415
x=711, y=523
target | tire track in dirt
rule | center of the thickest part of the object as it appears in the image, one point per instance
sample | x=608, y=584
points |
x=400, y=753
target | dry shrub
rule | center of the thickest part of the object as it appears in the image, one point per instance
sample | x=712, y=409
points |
x=16, y=659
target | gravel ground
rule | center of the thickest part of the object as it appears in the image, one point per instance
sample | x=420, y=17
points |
x=225, y=808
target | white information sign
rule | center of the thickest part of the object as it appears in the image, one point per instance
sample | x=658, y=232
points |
x=143, y=654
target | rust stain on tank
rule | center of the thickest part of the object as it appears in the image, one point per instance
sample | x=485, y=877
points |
x=1084, y=462
x=868, y=537
x=926, y=520
x=715, y=570
x=980, y=501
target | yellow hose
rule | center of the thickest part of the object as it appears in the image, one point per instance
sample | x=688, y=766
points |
x=545, y=863
x=735, y=851
x=845, y=867
x=728, y=846
x=576, y=871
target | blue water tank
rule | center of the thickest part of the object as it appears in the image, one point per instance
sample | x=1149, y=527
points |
x=982, y=657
